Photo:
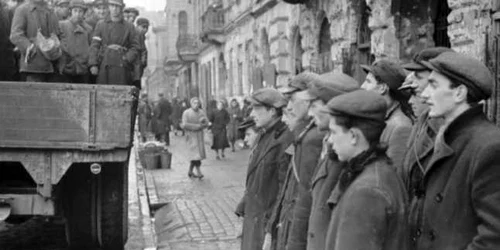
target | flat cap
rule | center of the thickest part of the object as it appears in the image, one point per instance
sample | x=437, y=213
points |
x=409, y=82
x=131, y=10
x=425, y=55
x=466, y=70
x=388, y=71
x=267, y=97
x=299, y=82
x=77, y=4
x=360, y=103
x=99, y=2
x=142, y=21
x=61, y=2
x=329, y=85
x=248, y=123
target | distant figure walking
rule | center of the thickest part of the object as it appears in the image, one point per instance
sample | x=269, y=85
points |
x=194, y=120
x=219, y=119
x=145, y=114
x=236, y=118
x=162, y=112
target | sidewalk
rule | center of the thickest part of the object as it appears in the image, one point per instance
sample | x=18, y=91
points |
x=199, y=213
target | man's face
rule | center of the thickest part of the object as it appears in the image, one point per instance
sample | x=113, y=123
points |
x=439, y=95
x=341, y=140
x=297, y=107
x=63, y=9
x=115, y=10
x=144, y=29
x=250, y=136
x=101, y=11
x=195, y=104
x=77, y=14
x=262, y=116
x=419, y=79
x=317, y=111
x=370, y=83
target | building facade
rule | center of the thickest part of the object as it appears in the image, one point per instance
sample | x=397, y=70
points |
x=243, y=45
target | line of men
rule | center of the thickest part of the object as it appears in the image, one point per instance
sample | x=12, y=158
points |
x=400, y=162
x=98, y=42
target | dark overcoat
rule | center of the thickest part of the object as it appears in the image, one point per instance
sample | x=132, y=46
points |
x=114, y=48
x=371, y=212
x=28, y=18
x=265, y=176
x=75, y=46
x=307, y=153
x=236, y=115
x=460, y=189
x=162, y=113
x=324, y=181
x=219, y=120
x=396, y=134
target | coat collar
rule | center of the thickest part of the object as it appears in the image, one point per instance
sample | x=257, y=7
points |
x=451, y=132
x=392, y=110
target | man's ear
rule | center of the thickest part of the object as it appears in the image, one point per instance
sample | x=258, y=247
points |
x=383, y=88
x=461, y=93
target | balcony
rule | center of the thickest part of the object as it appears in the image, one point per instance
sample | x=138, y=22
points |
x=188, y=47
x=213, y=25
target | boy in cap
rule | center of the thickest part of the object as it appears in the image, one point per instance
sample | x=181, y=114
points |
x=305, y=152
x=369, y=200
x=62, y=9
x=142, y=60
x=385, y=77
x=458, y=196
x=130, y=14
x=115, y=47
x=267, y=166
x=75, y=44
x=311, y=215
x=29, y=18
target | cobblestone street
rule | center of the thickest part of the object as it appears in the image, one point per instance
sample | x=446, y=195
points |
x=199, y=213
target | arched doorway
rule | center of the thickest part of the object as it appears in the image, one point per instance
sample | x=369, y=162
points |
x=325, y=63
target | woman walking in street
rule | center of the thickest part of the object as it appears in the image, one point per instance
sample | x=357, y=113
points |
x=236, y=117
x=194, y=120
x=219, y=119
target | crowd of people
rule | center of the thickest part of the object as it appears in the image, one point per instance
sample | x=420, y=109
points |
x=72, y=41
x=405, y=160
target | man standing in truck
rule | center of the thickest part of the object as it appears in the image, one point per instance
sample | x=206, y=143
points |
x=115, y=47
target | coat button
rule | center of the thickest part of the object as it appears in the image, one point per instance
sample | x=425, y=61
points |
x=419, y=232
x=438, y=198
x=414, y=239
x=432, y=235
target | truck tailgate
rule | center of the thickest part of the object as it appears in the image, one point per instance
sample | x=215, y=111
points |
x=66, y=116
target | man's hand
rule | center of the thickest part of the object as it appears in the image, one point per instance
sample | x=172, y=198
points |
x=267, y=242
x=30, y=53
x=94, y=70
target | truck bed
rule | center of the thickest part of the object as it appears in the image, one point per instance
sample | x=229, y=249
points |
x=65, y=116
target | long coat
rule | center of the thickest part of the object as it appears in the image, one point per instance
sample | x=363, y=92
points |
x=76, y=47
x=145, y=115
x=162, y=113
x=114, y=48
x=324, y=181
x=396, y=134
x=369, y=213
x=8, y=62
x=308, y=146
x=236, y=116
x=28, y=18
x=192, y=123
x=265, y=176
x=459, y=194
x=219, y=120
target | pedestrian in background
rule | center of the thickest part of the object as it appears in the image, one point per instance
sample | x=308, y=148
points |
x=130, y=14
x=75, y=44
x=267, y=166
x=369, y=202
x=219, y=119
x=194, y=121
x=162, y=112
x=236, y=118
x=385, y=77
x=145, y=113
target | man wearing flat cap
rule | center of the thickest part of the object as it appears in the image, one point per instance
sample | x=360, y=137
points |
x=311, y=215
x=385, y=77
x=305, y=153
x=267, y=166
x=142, y=60
x=458, y=196
x=369, y=200
x=62, y=10
x=421, y=140
x=75, y=44
x=130, y=14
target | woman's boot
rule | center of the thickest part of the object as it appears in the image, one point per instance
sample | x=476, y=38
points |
x=198, y=166
x=191, y=167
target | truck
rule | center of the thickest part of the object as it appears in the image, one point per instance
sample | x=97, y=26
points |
x=64, y=151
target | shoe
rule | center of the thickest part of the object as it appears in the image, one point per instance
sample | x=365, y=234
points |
x=200, y=176
x=217, y=157
x=223, y=156
x=191, y=175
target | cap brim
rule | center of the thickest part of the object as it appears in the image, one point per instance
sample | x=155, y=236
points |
x=429, y=66
x=413, y=66
x=305, y=95
x=366, y=68
x=287, y=90
x=406, y=87
x=253, y=102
